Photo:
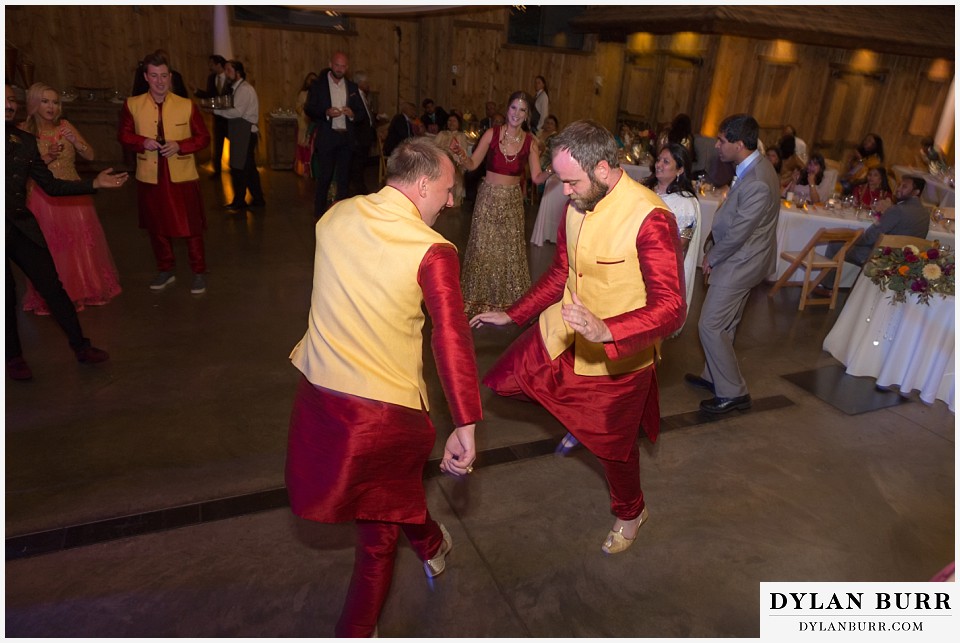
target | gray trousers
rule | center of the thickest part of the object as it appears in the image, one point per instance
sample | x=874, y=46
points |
x=719, y=317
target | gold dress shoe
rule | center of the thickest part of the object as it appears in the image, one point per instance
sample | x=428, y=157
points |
x=616, y=542
x=436, y=565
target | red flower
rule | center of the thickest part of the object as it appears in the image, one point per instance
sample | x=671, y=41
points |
x=887, y=250
x=933, y=253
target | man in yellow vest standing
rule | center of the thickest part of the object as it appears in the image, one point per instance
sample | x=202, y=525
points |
x=614, y=290
x=165, y=131
x=360, y=433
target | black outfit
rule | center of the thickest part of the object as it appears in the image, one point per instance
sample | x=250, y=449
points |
x=333, y=148
x=219, y=122
x=177, y=86
x=25, y=244
x=398, y=131
x=366, y=135
x=438, y=118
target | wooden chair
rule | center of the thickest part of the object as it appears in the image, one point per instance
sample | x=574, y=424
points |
x=811, y=260
x=901, y=240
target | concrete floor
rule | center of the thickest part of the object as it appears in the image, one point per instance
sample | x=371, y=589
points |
x=193, y=407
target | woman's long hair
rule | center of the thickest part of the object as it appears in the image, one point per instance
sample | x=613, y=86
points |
x=526, y=98
x=821, y=162
x=34, y=95
x=682, y=182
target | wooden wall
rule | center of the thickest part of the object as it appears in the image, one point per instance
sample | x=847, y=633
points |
x=413, y=58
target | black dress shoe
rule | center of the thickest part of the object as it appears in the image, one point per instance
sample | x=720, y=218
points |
x=91, y=355
x=18, y=369
x=726, y=404
x=235, y=206
x=699, y=382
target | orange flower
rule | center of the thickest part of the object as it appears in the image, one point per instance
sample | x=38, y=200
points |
x=923, y=255
x=903, y=270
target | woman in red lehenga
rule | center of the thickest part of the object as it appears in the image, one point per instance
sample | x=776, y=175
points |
x=69, y=224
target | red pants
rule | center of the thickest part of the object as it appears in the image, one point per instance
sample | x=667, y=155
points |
x=623, y=479
x=373, y=570
x=163, y=251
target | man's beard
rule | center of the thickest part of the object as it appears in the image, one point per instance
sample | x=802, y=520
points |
x=590, y=200
x=337, y=74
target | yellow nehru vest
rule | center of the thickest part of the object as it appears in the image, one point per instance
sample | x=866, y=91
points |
x=365, y=332
x=176, y=127
x=605, y=273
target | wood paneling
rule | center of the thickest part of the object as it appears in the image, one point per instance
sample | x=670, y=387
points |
x=410, y=58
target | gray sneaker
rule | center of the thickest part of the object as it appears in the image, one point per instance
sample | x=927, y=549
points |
x=162, y=280
x=436, y=565
x=199, y=285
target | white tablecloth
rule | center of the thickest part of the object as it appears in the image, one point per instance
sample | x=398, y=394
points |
x=907, y=345
x=551, y=210
x=796, y=227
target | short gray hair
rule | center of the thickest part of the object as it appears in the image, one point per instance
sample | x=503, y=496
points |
x=588, y=142
x=413, y=158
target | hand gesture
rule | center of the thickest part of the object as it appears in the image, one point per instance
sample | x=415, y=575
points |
x=151, y=144
x=333, y=112
x=346, y=111
x=67, y=132
x=459, y=452
x=585, y=322
x=170, y=148
x=108, y=179
x=494, y=317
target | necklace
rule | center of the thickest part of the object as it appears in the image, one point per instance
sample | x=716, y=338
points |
x=504, y=141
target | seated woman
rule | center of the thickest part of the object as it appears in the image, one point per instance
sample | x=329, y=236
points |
x=868, y=154
x=671, y=181
x=809, y=185
x=877, y=188
x=442, y=140
x=790, y=161
x=775, y=158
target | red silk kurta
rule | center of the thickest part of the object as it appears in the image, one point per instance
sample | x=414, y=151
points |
x=166, y=208
x=603, y=412
x=354, y=458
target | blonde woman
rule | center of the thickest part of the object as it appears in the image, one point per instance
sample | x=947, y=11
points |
x=70, y=224
x=495, y=270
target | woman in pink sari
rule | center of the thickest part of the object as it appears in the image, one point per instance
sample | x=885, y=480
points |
x=69, y=224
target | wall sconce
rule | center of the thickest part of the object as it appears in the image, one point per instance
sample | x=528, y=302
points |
x=597, y=84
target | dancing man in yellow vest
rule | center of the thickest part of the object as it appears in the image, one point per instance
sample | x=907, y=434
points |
x=360, y=433
x=165, y=130
x=613, y=291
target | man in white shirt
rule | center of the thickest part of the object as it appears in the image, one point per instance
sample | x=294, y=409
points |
x=541, y=102
x=242, y=121
x=334, y=104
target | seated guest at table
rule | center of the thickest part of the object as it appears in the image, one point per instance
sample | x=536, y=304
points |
x=400, y=128
x=550, y=128
x=442, y=140
x=801, y=145
x=775, y=158
x=434, y=117
x=681, y=132
x=790, y=160
x=877, y=187
x=908, y=217
x=931, y=158
x=671, y=182
x=867, y=155
x=809, y=185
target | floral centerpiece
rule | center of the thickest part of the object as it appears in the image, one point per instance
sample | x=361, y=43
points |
x=908, y=270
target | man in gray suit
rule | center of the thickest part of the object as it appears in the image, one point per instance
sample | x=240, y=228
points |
x=908, y=217
x=744, y=252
